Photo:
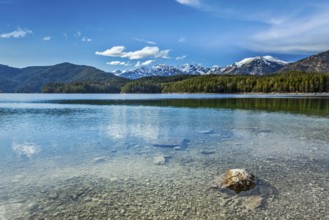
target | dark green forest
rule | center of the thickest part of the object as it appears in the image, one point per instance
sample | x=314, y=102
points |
x=109, y=86
x=291, y=82
x=281, y=83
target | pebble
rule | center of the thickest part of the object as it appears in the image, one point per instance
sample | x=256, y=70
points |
x=253, y=202
x=159, y=160
x=52, y=196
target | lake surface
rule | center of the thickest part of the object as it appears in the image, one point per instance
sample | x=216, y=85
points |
x=94, y=156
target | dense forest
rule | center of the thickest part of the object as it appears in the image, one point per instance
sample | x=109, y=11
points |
x=281, y=83
x=291, y=82
x=107, y=86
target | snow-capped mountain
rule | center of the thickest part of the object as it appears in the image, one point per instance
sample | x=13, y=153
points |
x=193, y=69
x=255, y=66
x=249, y=66
x=163, y=70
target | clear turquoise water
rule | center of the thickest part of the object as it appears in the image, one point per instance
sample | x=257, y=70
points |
x=52, y=145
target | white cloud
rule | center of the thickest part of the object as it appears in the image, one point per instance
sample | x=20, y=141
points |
x=147, y=62
x=189, y=2
x=295, y=35
x=86, y=39
x=303, y=29
x=182, y=40
x=181, y=57
x=145, y=41
x=78, y=34
x=65, y=35
x=164, y=54
x=47, y=38
x=19, y=33
x=141, y=54
x=118, y=63
x=118, y=51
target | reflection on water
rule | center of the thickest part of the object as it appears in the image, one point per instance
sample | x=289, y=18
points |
x=25, y=150
x=298, y=105
x=84, y=156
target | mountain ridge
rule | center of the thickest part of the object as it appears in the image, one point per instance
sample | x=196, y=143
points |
x=249, y=66
x=32, y=79
x=315, y=63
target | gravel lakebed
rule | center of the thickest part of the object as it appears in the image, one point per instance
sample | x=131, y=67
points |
x=132, y=186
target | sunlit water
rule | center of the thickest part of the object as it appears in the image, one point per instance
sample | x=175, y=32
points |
x=92, y=156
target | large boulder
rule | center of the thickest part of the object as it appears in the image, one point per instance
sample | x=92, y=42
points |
x=237, y=180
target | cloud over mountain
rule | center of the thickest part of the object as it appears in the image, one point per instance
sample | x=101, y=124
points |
x=145, y=41
x=146, y=63
x=146, y=52
x=118, y=63
x=189, y=2
x=47, y=38
x=295, y=34
x=18, y=33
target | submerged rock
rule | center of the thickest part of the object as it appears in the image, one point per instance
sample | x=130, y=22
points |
x=253, y=202
x=207, y=152
x=166, y=145
x=237, y=180
x=99, y=160
x=159, y=160
x=179, y=146
x=206, y=131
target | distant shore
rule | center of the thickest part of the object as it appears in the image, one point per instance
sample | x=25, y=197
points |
x=324, y=94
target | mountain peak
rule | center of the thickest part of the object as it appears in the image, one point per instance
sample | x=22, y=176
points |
x=163, y=70
x=245, y=61
x=259, y=65
x=259, y=58
x=249, y=66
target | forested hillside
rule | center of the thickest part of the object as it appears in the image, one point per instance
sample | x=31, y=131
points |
x=70, y=78
x=287, y=82
x=32, y=79
x=292, y=82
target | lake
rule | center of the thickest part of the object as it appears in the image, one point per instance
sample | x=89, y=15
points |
x=87, y=156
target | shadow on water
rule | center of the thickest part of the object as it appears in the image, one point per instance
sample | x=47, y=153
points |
x=182, y=145
x=298, y=105
x=263, y=190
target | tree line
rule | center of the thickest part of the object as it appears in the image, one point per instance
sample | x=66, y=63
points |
x=82, y=87
x=291, y=82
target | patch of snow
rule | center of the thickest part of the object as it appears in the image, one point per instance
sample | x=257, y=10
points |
x=274, y=59
x=197, y=69
x=245, y=61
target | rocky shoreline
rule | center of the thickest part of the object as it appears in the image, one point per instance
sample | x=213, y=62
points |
x=178, y=189
x=151, y=182
x=97, y=198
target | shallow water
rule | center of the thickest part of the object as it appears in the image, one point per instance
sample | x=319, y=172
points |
x=92, y=156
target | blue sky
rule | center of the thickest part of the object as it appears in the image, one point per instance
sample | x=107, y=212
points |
x=125, y=34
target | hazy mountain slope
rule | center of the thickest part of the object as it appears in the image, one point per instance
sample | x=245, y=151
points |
x=315, y=63
x=32, y=79
x=7, y=77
